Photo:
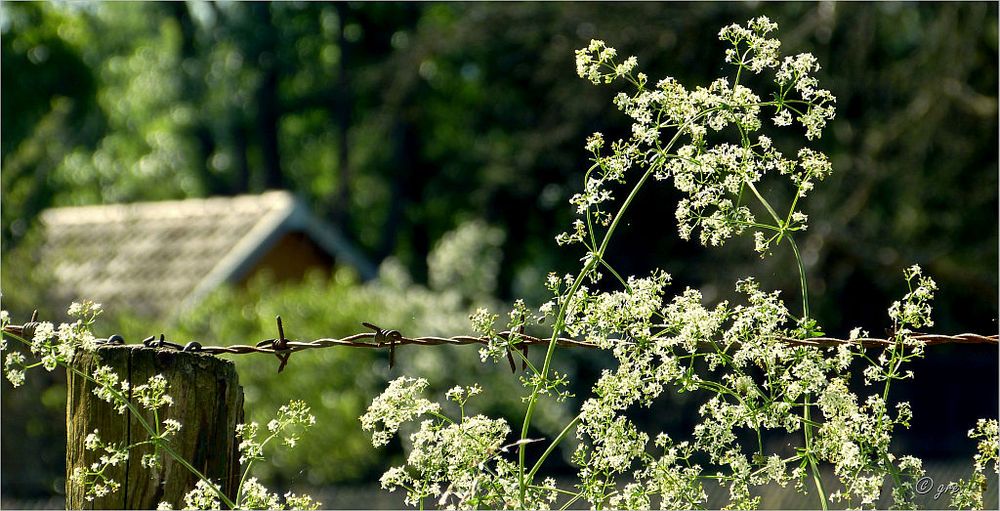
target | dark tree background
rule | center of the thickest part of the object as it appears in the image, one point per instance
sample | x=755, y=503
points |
x=397, y=121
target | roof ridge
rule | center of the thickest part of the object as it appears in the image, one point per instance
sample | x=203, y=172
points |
x=219, y=204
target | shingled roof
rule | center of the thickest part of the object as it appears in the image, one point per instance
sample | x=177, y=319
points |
x=158, y=257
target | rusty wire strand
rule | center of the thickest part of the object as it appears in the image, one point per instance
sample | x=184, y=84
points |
x=282, y=347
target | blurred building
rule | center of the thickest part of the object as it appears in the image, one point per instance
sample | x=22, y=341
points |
x=157, y=258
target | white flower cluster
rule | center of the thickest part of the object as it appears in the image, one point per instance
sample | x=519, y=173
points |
x=989, y=445
x=812, y=165
x=203, y=496
x=483, y=321
x=295, y=413
x=86, y=310
x=710, y=179
x=595, y=63
x=306, y=502
x=250, y=448
x=53, y=345
x=554, y=384
x=968, y=494
x=717, y=178
x=752, y=361
x=612, y=445
x=462, y=395
x=598, y=316
x=399, y=403
x=14, y=368
x=460, y=464
x=96, y=480
x=455, y=453
x=763, y=383
x=254, y=495
x=752, y=48
x=610, y=169
x=152, y=395
x=170, y=427
x=795, y=73
x=914, y=311
x=290, y=420
x=671, y=476
x=57, y=345
x=855, y=439
x=109, y=387
x=251, y=494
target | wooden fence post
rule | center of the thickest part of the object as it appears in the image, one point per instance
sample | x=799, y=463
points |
x=208, y=402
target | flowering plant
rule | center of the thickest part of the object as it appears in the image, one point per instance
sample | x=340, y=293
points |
x=753, y=360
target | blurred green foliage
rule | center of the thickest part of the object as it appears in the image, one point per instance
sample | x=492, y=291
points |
x=401, y=121
x=339, y=383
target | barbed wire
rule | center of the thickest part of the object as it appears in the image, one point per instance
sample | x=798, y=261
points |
x=379, y=338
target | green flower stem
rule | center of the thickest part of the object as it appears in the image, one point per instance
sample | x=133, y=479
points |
x=898, y=357
x=795, y=202
x=561, y=317
x=571, y=502
x=763, y=201
x=604, y=486
x=739, y=69
x=590, y=224
x=802, y=276
x=552, y=445
x=760, y=470
x=246, y=470
x=616, y=275
x=768, y=227
x=795, y=249
x=520, y=355
x=560, y=323
x=811, y=456
x=805, y=421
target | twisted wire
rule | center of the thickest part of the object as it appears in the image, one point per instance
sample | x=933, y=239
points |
x=381, y=338
x=372, y=340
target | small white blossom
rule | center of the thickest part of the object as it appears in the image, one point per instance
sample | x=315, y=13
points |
x=84, y=310
x=254, y=495
x=13, y=368
x=92, y=441
x=783, y=118
x=152, y=395
x=293, y=501
x=595, y=142
x=170, y=426
x=203, y=496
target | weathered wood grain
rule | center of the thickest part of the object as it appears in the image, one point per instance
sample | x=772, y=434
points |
x=208, y=402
